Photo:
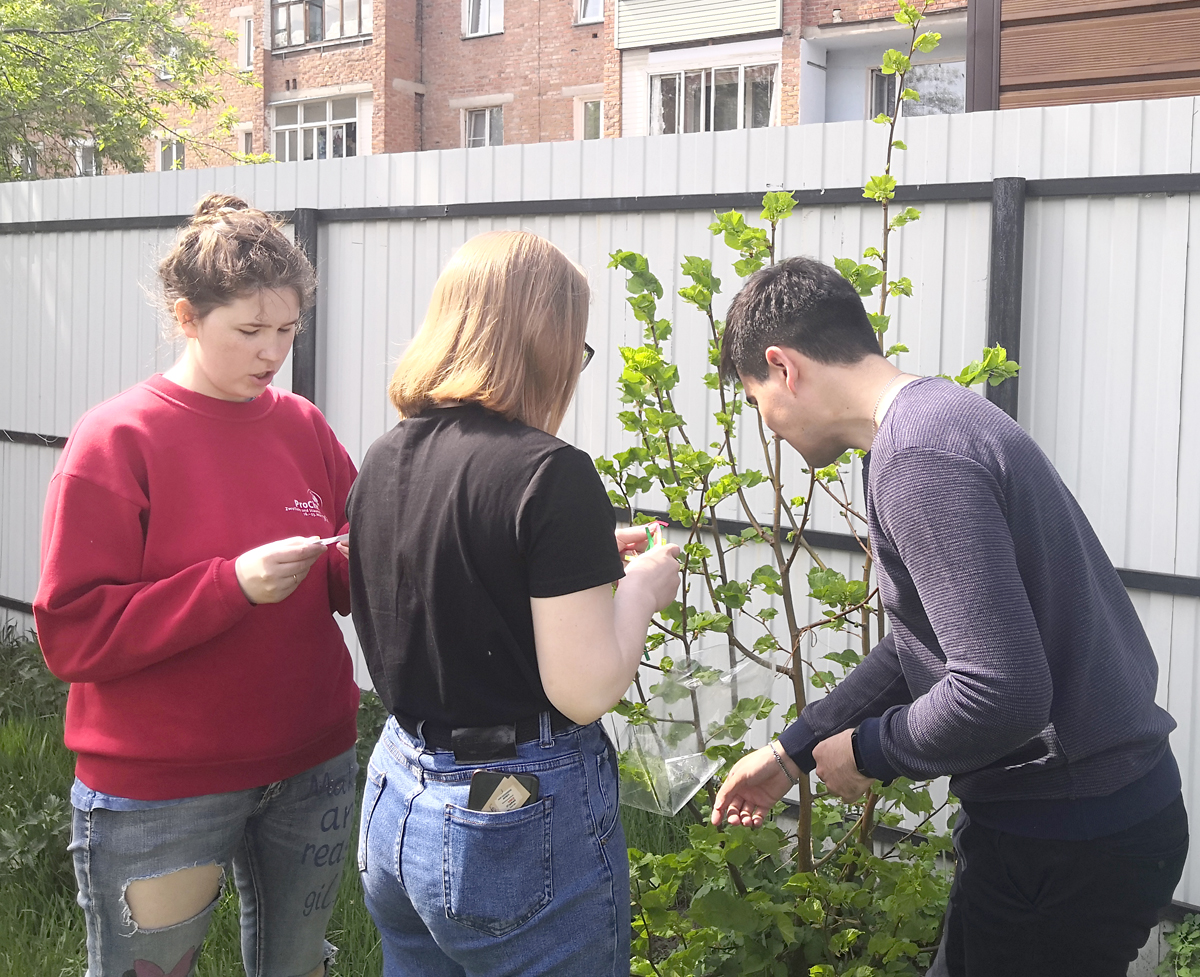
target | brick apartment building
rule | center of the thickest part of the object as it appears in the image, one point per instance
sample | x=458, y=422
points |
x=352, y=77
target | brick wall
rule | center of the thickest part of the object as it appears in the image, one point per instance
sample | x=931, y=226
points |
x=541, y=51
x=825, y=12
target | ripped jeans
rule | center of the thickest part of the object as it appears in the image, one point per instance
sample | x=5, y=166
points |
x=286, y=844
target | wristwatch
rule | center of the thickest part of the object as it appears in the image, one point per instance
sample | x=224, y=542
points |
x=858, y=760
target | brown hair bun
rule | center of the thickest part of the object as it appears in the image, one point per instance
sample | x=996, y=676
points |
x=230, y=250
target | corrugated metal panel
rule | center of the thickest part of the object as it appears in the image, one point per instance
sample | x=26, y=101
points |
x=643, y=23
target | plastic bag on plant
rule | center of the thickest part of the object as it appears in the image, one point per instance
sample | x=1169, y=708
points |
x=700, y=702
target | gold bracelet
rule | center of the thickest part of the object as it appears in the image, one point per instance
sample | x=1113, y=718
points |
x=779, y=760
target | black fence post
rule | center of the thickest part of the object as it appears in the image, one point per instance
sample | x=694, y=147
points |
x=1004, y=281
x=304, y=350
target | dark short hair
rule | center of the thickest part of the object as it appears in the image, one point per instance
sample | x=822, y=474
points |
x=799, y=303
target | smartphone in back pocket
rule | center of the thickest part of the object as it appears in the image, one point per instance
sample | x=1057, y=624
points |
x=486, y=784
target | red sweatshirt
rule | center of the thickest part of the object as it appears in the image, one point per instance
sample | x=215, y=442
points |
x=180, y=686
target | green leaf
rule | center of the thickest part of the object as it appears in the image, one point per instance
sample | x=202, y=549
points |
x=895, y=62
x=910, y=95
x=882, y=119
x=895, y=349
x=879, y=322
x=777, y=204
x=928, y=41
x=898, y=144
x=880, y=188
x=863, y=277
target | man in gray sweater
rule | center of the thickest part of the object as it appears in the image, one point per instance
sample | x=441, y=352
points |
x=1014, y=663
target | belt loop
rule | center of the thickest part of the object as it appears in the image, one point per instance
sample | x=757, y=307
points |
x=546, y=737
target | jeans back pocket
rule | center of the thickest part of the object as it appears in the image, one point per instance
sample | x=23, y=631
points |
x=496, y=867
x=376, y=782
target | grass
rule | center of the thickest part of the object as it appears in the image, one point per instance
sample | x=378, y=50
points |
x=42, y=932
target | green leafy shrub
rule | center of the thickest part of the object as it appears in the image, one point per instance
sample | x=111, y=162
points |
x=1183, y=953
x=829, y=899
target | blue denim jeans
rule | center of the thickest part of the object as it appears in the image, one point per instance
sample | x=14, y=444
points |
x=286, y=844
x=541, y=890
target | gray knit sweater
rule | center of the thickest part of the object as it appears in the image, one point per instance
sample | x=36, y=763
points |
x=1015, y=661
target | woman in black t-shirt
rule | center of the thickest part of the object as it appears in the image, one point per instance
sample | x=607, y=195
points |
x=483, y=556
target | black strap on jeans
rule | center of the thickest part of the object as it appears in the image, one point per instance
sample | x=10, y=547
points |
x=482, y=744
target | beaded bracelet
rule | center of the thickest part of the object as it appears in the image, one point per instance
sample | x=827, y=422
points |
x=779, y=760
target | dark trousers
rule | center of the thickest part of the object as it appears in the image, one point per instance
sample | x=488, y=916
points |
x=1027, y=907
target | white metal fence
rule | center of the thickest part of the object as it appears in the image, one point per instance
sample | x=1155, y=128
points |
x=1111, y=299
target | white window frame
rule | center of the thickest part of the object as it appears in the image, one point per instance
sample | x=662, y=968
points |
x=491, y=17
x=487, y=134
x=708, y=110
x=580, y=115
x=178, y=153
x=300, y=127
x=86, y=150
x=581, y=7
x=329, y=17
x=245, y=57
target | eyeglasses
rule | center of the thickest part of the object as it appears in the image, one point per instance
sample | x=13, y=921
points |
x=588, y=353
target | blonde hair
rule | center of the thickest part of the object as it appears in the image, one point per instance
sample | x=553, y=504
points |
x=229, y=250
x=505, y=329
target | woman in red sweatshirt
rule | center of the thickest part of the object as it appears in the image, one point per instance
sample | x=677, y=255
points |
x=186, y=594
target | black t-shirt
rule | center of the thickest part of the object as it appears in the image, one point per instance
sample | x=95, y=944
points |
x=457, y=518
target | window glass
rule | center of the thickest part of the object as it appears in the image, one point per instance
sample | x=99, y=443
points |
x=350, y=13
x=247, y=143
x=591, y=120
x=883, y=93
x=496, y=126
x=476, y=129
x=315, y=21
x=942, y=87
x=759, y=90
x=664, y=104
x=309, y=130
x=281, y=27
x=333, y=19
x=296, y=13
x=725, y=98
x=695, y=85
x=367, y=23
x=475, y=16
x=591, y=9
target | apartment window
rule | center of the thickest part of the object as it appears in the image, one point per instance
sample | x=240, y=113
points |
x=483, y=17
x=309, y=21
x=484, y=127
x=589, y=11
x=170, y=155
x=942, y=87
x=323, y=129
x=883, y=93
x=87, y=160
x=245, y=61
x=590, y=118
x=27, y=159
x=713, y=99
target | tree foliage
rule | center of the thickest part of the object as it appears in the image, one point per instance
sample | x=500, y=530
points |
x=108, y=73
